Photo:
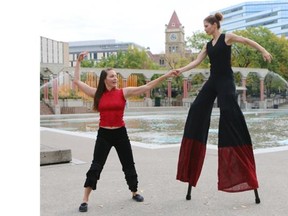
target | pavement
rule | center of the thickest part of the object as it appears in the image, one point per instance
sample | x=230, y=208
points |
x=62, y=184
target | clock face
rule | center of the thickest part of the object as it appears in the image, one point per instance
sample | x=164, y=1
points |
x=173, y=36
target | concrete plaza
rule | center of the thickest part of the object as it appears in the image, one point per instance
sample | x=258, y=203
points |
x=62, y=184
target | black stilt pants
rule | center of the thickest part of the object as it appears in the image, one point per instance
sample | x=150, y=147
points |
x=236, y=165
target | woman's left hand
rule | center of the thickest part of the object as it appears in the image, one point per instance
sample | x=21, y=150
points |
x=267, y=56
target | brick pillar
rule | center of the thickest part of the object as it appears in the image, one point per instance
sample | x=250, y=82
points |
x=74, y=87
x=244, y=91
x=148, y=92
x=46, y=90
x=189, y=84
x=124, y=83
x=55, y=91
x=169, y=87
x=261, y=89
x=185, y=88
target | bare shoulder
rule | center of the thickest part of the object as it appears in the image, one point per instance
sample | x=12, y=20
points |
x=204, y=49
x=231, y=38
x=127, y=91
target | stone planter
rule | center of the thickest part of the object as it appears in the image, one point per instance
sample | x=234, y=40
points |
x=71, y=102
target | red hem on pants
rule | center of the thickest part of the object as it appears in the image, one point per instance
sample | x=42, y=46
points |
x=190, y=162
x=236, y=169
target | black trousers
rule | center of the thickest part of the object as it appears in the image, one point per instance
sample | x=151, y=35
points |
x=107, y=138
x=236, y=165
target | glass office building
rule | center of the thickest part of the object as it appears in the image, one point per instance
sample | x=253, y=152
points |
x=270, y=14
x=98, y=49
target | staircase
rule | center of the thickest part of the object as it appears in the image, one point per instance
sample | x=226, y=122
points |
x=45, y=109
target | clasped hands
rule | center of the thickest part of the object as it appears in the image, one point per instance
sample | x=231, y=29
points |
x=173, y=73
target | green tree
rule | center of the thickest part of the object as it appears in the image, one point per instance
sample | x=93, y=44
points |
x=196, y=42
x=246, y=56
x=132, y=58
x=281, y=56
x=175, y=60
x=88, y=63
x=253, y=84
x=274, y=85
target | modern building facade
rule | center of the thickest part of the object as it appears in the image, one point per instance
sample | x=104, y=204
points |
x=270, y=14
x=53, y=52
x=98, y=49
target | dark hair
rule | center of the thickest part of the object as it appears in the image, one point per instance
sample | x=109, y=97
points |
x=216, y=18
x=100, y=88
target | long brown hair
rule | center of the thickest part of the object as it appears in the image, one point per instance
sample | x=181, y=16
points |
x=101, y=88
x=214, y=19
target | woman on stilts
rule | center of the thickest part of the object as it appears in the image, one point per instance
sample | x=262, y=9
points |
x=236, y=164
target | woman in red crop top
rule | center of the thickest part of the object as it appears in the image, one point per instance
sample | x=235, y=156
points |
x=110, y=101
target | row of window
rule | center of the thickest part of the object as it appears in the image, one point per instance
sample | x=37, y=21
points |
x=51, y=51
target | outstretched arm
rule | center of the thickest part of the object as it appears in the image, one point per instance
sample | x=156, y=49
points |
x=135, y=91
x=88, y=90
x=201, y=56
x=233, y=38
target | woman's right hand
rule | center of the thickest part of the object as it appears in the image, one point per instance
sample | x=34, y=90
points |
x=82, y=55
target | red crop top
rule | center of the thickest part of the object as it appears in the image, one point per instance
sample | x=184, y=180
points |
x=111, y=108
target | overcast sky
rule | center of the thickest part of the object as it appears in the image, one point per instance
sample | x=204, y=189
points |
x=123, y=20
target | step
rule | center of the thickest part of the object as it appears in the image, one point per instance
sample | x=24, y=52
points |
x=50, y=155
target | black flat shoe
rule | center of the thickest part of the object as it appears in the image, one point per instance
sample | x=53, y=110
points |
x=138, y=198
x=83, y=207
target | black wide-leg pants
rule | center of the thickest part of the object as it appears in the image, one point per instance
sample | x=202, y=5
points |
x=236, y=164
x=106, y=138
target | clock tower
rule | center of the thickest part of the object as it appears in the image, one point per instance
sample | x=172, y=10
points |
x=174, y=36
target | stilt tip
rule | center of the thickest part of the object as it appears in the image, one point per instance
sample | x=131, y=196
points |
x=257, y=200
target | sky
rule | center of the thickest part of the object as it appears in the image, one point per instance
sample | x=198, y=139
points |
x=124, y=20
